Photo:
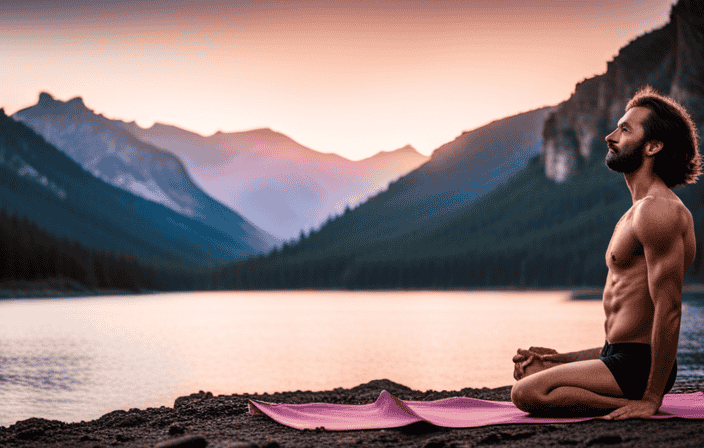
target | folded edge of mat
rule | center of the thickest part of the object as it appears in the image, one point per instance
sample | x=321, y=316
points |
x=389, y=411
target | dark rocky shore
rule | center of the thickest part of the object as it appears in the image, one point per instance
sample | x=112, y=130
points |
x=54, y=288
x=223, y=421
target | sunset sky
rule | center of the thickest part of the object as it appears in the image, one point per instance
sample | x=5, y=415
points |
x=350, y=77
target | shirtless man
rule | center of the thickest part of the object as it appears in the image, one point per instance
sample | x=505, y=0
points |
x=655, y=147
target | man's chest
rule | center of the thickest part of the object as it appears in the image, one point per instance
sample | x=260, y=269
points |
x=624, y=249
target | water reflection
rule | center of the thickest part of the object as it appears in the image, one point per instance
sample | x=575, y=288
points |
x=54, y=372
x=690, y=352
x=78, y=359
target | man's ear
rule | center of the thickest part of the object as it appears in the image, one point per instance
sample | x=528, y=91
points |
x=653, y=147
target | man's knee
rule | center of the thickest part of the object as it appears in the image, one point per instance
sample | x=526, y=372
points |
x=526, y=398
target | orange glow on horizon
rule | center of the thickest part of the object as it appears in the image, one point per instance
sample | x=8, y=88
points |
x=353, y=78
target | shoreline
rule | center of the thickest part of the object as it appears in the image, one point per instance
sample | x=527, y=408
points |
x=53, y=288
x=224, y=421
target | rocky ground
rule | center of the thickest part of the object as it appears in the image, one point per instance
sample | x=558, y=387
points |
x=223, y=421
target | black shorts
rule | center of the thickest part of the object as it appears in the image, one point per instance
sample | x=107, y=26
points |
x=629, y=363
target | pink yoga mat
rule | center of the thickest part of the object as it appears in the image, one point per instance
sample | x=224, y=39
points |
x=459, y=412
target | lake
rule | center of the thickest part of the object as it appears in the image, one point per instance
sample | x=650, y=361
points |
x=78, y=359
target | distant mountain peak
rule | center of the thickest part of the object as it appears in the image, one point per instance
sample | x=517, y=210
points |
x=46, y=101
x=160, y=127
x=220, y=133
x=407, y=148
x=261, y=132
x=76, y=102
x=260, y=135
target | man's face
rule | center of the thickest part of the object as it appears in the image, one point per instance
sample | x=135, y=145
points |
x=627, y=142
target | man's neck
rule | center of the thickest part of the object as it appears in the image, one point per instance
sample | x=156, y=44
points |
x=642, y=183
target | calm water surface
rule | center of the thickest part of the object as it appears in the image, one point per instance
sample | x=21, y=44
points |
x=77, y=359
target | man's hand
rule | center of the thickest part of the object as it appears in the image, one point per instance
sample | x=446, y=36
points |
x=533, y=360
x=634, y=409
x=523, y=355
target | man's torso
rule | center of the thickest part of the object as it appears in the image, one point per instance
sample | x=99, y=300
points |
x=627, y=303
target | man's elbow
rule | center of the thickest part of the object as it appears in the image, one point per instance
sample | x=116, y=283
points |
x=670, y=312
x=675, y=313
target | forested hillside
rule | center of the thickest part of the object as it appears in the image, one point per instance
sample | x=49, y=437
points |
x=41, y=183
x=549, y=225
x=529, y=232
x=29, y=254
x=110, y=153
x=59, y=222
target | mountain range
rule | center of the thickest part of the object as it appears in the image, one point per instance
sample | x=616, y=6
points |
x=115, y=156
x=131, y=158
x=549, y=224
x=523, y=201
x=271, y=163
x=277, y=183
x=43, y=185
x=458, y=173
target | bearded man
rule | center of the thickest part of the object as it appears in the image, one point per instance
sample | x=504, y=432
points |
x=655, y=147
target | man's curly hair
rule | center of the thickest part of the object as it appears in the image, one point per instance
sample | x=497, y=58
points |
x=678, y=163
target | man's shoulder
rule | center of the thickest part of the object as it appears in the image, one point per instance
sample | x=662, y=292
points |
x=659, y=204
x=657, y=217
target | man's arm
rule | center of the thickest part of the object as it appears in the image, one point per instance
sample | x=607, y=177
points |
x=582, y=355
x=536, y=359
x=658, y=224
x=548, y=354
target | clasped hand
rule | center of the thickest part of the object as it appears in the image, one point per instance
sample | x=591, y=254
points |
x=533, y=360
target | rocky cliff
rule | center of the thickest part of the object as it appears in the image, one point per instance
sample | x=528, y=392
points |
x=670, y=59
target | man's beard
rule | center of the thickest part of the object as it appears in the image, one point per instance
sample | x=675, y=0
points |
x=625, y=161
